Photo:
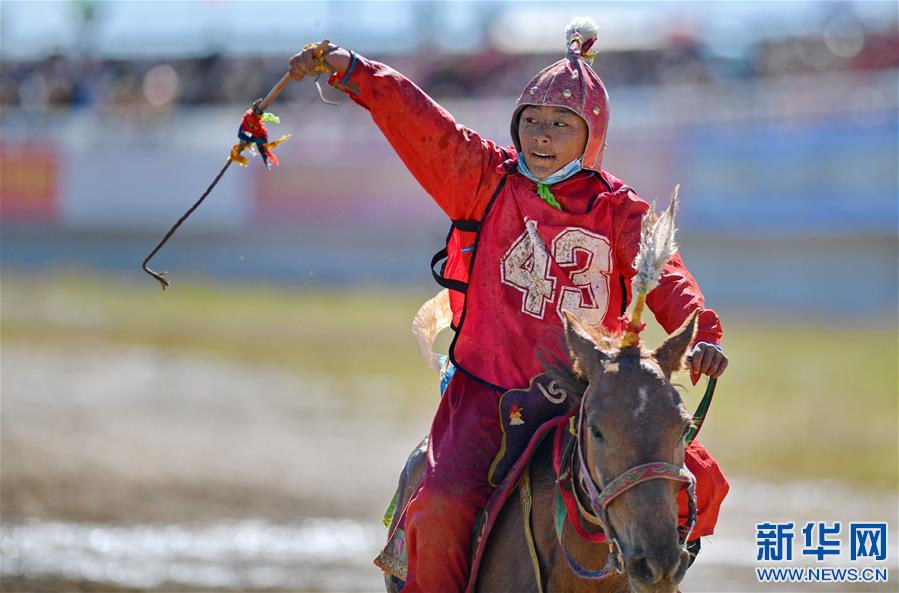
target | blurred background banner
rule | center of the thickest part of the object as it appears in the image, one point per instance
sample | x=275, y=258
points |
x=244, y=429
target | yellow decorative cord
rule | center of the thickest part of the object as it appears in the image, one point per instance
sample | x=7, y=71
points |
x=320, y=55
x=632, y=337
x=237, y=157
x=321, y=50
x=275, y=143
x=524, y=492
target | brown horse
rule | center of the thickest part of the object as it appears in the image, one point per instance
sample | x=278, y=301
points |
x=630, y=416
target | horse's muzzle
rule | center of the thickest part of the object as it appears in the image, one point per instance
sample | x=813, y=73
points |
x=659, y=572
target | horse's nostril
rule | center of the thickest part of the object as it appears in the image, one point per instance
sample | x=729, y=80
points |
x=650, y=570
x=643, y=570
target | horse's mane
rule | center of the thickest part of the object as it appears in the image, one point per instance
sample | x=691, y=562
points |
x=573, y=382
x=570, y=375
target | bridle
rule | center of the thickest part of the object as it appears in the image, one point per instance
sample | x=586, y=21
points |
x=600, y=496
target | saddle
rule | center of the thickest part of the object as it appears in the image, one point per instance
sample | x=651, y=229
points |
x=527, y=416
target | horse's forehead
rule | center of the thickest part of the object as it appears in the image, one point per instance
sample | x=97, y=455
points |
x=633, y=369
x=636, y=384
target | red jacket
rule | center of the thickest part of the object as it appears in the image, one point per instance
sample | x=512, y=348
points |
x=461, y=172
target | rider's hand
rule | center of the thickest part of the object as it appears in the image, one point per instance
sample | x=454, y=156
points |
x=309, y=61
x=706, y=359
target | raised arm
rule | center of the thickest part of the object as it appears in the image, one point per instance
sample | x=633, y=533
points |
x=453, y=164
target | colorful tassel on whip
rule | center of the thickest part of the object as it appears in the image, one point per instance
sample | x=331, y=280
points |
x=657, y=245
x=252, y=131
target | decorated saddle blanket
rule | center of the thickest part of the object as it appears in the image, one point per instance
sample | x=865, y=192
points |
x=527, y=416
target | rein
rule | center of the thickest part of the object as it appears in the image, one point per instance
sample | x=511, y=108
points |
x=600, y=496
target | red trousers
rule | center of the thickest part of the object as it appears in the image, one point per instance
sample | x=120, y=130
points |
x=465, y=437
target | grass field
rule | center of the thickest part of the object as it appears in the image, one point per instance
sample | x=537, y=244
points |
x=799, y=400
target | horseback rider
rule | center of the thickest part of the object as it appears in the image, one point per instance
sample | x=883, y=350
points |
x=544, y=229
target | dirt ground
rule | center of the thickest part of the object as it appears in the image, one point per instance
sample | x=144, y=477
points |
x=136, y=434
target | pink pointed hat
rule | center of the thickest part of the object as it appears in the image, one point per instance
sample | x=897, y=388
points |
x=572, y=83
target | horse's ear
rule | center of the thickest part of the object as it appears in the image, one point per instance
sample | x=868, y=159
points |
x=584, y=348
x=670, y=355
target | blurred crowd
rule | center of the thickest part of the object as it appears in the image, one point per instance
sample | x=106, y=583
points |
x=61, y=81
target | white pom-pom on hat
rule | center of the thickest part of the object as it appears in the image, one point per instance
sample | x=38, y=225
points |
x=584, y=25
x=587, y=31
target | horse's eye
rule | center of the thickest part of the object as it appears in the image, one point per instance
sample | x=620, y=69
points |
x=596, y=433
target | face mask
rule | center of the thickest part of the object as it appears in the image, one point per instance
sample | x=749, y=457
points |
x=560, y=175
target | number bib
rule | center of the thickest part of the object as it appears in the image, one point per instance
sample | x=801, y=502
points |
x=531, y=263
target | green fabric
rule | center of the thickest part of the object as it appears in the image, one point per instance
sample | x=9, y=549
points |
x=545, y=194
x=560, y=514
x=270, y=117
x=391, y=510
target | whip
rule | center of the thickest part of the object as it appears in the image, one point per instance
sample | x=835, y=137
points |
x=251, y=134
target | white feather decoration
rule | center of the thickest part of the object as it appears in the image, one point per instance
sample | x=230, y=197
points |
x=657, y=245
x=433, y=317
x=583, y=25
